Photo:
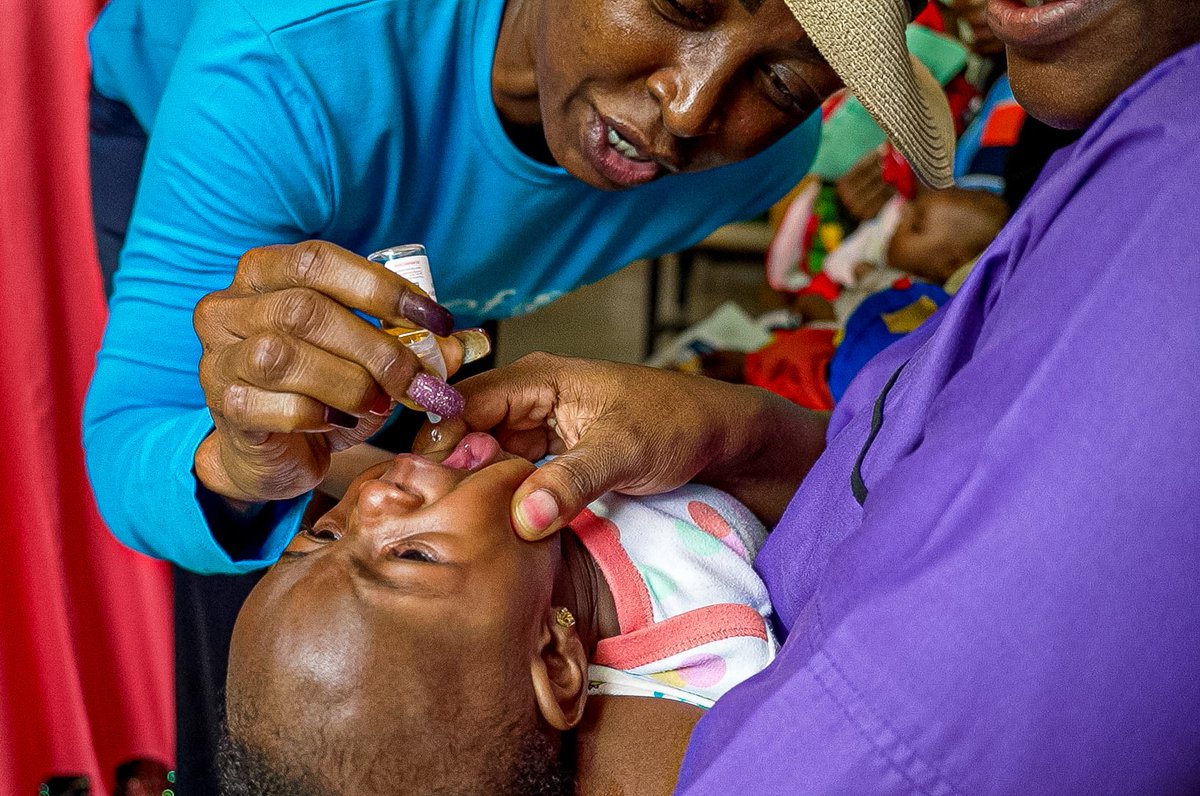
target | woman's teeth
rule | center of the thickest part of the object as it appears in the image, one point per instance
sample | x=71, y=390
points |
x=624, y=147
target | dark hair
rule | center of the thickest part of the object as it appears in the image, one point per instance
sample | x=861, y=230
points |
x=246, y=772
x=533, y=765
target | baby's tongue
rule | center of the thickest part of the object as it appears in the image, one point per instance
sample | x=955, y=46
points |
x=472, y=452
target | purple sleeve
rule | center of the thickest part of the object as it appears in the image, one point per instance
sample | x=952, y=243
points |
x=1019, y=606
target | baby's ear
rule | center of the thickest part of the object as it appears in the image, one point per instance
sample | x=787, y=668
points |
x=560, y=671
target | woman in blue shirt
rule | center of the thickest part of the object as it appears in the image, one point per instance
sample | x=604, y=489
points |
x=522, y=142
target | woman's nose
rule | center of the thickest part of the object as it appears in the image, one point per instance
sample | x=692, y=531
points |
x=690, y=93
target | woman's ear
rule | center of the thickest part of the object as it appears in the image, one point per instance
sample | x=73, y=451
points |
x=559, y=671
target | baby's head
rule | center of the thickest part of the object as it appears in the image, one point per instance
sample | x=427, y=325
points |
x=408, y=642
x=941, y=231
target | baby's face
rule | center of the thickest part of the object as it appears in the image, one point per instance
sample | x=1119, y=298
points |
x=412, y=599
x=941, y=230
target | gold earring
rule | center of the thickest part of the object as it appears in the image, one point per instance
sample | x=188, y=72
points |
x=564, y=618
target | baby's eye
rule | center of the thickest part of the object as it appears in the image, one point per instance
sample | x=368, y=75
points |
x=320, y=534
x=413, y=554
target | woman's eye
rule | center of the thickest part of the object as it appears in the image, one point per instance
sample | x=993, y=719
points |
x=414, y=554
x=695, y=13
x=320, y=534
x=781, y=92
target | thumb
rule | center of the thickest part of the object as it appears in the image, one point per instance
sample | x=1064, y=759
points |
x=561, y=488
x=437, y=440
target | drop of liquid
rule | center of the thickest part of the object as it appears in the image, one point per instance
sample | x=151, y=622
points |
x=435, y=434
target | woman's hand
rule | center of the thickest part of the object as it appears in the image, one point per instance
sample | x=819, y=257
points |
x=635, y=430
x=292, y=375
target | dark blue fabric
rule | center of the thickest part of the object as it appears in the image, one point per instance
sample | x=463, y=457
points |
x=117, y=146
x=867, y=334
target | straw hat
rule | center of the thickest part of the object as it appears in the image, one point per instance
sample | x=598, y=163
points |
x=863, y=40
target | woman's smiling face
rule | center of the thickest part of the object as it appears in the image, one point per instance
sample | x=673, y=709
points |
x=632, y=90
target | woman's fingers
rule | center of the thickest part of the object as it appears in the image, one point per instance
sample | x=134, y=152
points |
x=601, y=417
x=254, y=467
x=291, y=372
x=345, y=277
x=561, y=488
x=464, y=347
x=302, y=341
x=289, y=365
x=255, y=411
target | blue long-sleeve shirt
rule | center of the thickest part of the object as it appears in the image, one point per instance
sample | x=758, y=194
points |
x=364, y=123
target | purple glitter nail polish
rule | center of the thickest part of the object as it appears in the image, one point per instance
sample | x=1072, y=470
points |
x=436, y=396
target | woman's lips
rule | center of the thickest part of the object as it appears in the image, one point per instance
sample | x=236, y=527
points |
x=473, y=452
x=613, y=166
x=1020, y=25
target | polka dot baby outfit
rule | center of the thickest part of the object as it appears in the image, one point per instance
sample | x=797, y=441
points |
x=694, y=615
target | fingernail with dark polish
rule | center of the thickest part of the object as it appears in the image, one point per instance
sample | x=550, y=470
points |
x=336, y=417
x=426, y=313
x=434, y=395
x=382, y=405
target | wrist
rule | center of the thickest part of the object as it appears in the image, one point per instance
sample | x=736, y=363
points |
x=766, y=449
x=237, y=522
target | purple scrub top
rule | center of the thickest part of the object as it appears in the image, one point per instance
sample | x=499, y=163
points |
x=990, y=581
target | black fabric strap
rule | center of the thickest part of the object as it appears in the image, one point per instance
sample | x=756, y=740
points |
x=857, y=485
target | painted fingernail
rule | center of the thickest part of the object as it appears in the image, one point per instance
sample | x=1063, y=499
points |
x=336, y=417
x=434, y=395
x=382, y=405
x=538, y=510
x=475, y=342
x=426, y=313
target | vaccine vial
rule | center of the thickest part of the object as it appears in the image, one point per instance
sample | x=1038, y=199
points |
x=411, y=262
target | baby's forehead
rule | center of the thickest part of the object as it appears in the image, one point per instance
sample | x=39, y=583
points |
x=301, y=635
x=311, y=683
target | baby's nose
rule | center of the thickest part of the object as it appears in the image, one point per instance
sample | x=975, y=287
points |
x=383, y=500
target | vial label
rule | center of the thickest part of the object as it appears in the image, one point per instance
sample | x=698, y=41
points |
x=414, y=268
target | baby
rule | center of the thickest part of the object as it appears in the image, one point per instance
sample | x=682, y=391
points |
x=410, y=641
x=937, y=239
x=941, y=232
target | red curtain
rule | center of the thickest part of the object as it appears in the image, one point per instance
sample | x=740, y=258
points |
x=86, y=678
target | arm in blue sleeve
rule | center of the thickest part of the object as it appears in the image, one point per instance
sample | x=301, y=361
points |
x=236, y=160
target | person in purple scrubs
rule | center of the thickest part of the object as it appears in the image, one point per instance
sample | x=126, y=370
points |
x=986, y=562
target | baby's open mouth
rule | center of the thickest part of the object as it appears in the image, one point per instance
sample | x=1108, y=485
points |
x=473, y=452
